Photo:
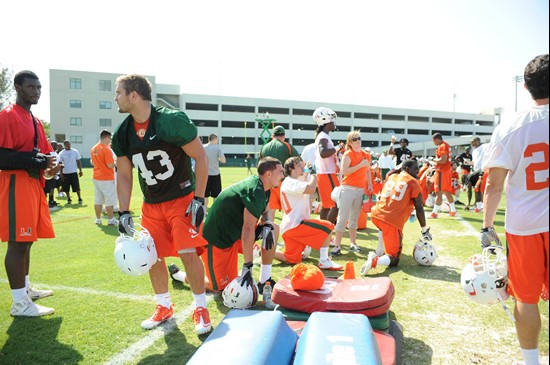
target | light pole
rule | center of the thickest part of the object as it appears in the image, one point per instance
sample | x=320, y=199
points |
x=517, y=79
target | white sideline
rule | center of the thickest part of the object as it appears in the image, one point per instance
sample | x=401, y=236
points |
x=131, y=352
x=148, y=298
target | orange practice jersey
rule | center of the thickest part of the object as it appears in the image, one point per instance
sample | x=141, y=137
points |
x=396, y=201
x=444, y=149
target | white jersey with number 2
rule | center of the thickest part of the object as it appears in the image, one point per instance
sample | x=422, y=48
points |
x=520, y=145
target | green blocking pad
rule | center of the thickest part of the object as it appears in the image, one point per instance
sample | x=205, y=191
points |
x=380, y=322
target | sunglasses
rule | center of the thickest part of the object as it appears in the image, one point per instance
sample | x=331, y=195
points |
x=356, y=139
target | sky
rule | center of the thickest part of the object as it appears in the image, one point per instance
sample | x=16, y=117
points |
x=444, y=55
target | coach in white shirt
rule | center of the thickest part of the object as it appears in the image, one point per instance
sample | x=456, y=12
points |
x=386, y=164
x=478, y=150
x=71, y=162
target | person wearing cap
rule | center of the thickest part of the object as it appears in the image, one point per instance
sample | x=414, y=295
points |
x=282, y=151
x=401, y=153
x=386, y=164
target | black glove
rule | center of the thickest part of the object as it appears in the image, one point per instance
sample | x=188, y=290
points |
x=125, y=223
x=196, y=208
x=488, y=236
x=268, y=236
x=426, y=235
x=246, y=275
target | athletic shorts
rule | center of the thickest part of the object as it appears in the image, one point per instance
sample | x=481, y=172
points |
x=221, y=264
x=311, y=232
x=275, y=199
x=325, y=184
x=105, y=192
x=528, y=258
x=393, y=238
x=170, y=228
x=481, y=183
x=24, y=211
x=473, y=177
x=213, y=186
x=443, y=181
x=50, y=185
x=70, y=181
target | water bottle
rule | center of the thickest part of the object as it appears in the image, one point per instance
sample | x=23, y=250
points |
x=269, y=304
x=412, y=218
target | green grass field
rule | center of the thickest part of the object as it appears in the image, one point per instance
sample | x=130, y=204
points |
x=99, y=309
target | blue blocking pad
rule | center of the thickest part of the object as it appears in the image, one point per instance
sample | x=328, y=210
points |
x=337, y=338
x=249, y=337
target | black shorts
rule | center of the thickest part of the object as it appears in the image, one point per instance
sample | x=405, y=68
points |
x=50, y=185
x=473, y=178
x=213, y=186
x=71, y=181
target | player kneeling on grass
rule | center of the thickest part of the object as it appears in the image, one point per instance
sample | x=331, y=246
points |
x=298, y=230
x=400, y=195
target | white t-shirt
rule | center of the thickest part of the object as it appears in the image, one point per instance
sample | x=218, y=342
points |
x=68, y=158
x=308, y=153
x=520, y=145
x=386, y=162
x=295, y=203
x=477, y=156
x=325, y=165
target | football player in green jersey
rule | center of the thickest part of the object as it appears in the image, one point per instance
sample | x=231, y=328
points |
x=160, y=143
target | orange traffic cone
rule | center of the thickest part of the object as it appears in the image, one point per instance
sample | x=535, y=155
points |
x=349, y=271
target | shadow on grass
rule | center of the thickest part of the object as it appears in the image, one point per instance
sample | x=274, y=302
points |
x=178, y=350
x=110, y=230
x=416, y=351
x=33, y=340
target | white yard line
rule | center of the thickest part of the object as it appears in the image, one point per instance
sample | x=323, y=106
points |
x=133, y=351
x=117, y=295
x=468, y=226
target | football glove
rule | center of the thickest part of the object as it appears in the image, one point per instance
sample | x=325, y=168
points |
x=125, y=223
x=268, y=236
x=488, y=236
x=426, y=235
x=196, y=209
x=246, y=275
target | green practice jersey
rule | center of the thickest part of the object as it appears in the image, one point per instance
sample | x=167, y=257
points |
x=224, y=222
x=279, y=150
x=164, y=169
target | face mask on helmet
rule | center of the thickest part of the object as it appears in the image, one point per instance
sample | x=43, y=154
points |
x=424, y=253
x=485, y=277
x=322, y=116
x=240, y=297
x=136, y=254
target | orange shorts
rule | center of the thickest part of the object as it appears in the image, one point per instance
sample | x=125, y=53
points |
x=443, y=181
x=24, y=212
x=528, y=258
x=170, y=228
x=325, y=184
x=275, y=198
x=311, y=232
x=481, y=183
x=221, y=264
x=393, y=238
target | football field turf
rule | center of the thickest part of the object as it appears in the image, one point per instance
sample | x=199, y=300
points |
x=99, y=309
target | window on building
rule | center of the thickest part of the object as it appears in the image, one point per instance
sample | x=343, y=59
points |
x=484, y=123
x=365, y=116
x=104, y=85
x=105, y=105
x=59, y=138
x=232, y=124
x=343, y=114
x=444, y=133
x=238, y=108
x=201, y=106
x=304, y=127
x=76, y=121
x=105, y=122
x=75, y=103
x=442, y=120
x=386, y=143
x=418, y=131
x=369, y=143
x=392, y=117
x=205, y=123
x=343, y=128
x=273, y=110
x=413, y=118
x=237, y=140
x=463, y=133
x=463, y=121
x=308, y=112
x=75, y=83
x=393, y=131
x=302, y=141
x=366, y=129
x=75, y=139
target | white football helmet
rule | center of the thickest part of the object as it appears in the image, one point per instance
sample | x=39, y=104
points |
x=240, y=297
x=430, y=201
x=485, y=277
x=322, y=116
x=424, y=253
x=335, y=195
x=135, y=255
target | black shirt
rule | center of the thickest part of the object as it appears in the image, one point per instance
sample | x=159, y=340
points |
x=465, y=160
x=402, y=154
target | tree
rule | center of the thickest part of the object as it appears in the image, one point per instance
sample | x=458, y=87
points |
x=6, y=89
x=47, y=128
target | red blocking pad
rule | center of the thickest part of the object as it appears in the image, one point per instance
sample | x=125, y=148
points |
x=248, y=337
x=386, y=343
x=368, y=296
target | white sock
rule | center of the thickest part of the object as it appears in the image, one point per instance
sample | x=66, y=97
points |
x=27, y=282
x=265, y=273
x=18, y=294
x=479, y=205
x=200, y=300
x=453, y=208
x=323, y=254
x=436, y=208
x=531, y=356
x=164, y=299
x=384, y=261
x=380, y=249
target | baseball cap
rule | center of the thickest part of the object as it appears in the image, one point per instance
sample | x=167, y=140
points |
x=278, y=131
x=384, y=151
x=475, y=139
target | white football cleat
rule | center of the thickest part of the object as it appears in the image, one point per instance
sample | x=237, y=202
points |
x=329, y=265
x=37, y=294
x=27, y=308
